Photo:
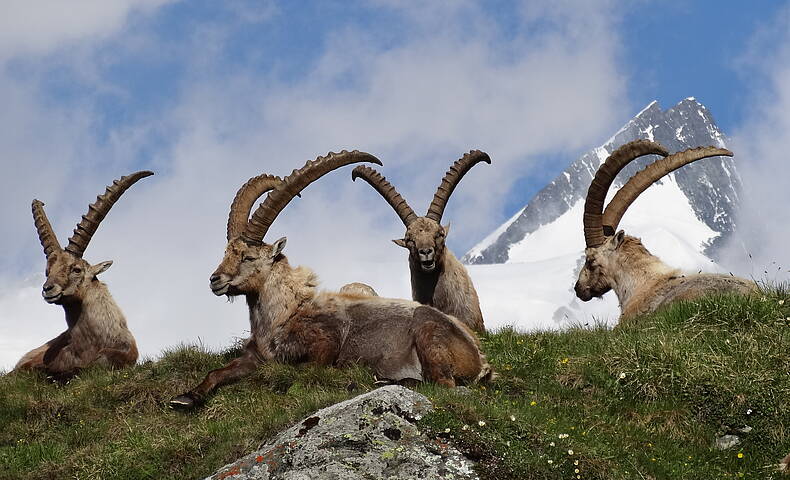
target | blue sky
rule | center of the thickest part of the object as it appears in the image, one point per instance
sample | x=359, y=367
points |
x=208, y=94
x=665, y=50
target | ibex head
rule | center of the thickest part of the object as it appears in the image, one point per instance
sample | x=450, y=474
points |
x=595, y=278
x=425, y=236
x=68, y=274
x=248, y=260
x=425, y=240
x=606, y=251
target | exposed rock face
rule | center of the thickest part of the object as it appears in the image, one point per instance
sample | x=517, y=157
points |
x=371, y=436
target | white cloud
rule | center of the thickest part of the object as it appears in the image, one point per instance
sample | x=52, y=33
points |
x=42, y=26
x=762, y=143
x=417, y=104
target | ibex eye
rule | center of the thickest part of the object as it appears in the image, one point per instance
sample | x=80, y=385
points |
x=248, y=259
x=76, y=270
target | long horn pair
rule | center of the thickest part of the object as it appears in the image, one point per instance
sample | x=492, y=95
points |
x=596, y=225
x=284, y=191
x=436, y=209
x=596, y=194
x=90, y=221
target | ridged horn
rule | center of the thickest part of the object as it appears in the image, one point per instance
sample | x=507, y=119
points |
x=385, y=188
x=245, y=199
x=451, y=178
x=46, y=235
x=596, y=194
x=98, y=210
x=294, y=183
x=653, y=172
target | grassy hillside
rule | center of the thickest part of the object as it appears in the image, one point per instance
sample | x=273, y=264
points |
x=646, y=400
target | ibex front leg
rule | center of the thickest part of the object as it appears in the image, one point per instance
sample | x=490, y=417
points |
x=236, y=369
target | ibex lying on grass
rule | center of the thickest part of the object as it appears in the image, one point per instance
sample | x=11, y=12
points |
x=97, y=331
x=642, y=282
x=291, y=322
x=437, y=277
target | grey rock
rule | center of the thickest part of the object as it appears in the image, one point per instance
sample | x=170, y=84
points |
x=372, y=436
x=712, y=186
x=727, y=441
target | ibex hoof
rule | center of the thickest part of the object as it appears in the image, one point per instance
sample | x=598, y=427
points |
x=183, y=402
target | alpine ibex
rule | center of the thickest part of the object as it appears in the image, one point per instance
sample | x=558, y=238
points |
x=642, y=282
x=438, y=279
x=96, y=329
x=291, y=322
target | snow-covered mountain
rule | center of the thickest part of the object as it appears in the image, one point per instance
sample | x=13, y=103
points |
x=684, y=219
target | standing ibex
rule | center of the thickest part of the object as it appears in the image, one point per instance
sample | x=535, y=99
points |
x=437, y=277
x=97, y=331
x=291, y=322
x=642, y=282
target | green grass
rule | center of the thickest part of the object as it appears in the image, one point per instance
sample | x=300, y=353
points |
x=643, y=401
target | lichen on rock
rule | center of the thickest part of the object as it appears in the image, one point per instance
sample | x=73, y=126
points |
x=370, y=436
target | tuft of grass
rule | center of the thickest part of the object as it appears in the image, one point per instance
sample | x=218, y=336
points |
x=644, y=400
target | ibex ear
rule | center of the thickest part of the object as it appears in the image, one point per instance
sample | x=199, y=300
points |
x=277, y=247
x=446, y=229
x=401, y=242
x=100, y=267
x=618, y=239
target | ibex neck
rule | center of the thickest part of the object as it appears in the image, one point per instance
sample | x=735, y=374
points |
x=96, y=306
x=639, y=275
x=283, y=291
x=423, y=284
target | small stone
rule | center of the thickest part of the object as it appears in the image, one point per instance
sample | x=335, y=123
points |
x=727, y=441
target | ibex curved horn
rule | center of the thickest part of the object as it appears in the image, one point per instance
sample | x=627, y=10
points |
x=245, y=199
x=385, y=188
x=294, y=183
x=653, y=172
x=98, y=210
x=46, y=235
x=451, y=179
x=596, y=194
